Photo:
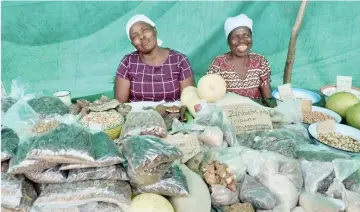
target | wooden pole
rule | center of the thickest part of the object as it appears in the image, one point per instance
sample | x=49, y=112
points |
x=292, y=45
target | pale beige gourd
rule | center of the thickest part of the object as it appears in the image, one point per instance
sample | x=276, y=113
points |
x=190, y=99
x=211, y=87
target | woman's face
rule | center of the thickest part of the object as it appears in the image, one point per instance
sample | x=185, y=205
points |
x=143, y=37
x=240, y=41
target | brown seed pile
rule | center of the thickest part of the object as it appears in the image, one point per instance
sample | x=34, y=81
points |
x=340, y=141
x=314, y=117
x=44, y=126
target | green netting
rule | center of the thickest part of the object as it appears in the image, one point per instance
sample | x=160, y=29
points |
x=78, y=45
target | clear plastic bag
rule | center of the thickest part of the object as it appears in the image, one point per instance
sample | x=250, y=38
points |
x=20, y=164
x=311, y=152
x=314, y=173
x=258, y=195
x=47, y=105
x=145, y=122
x=53, y=175
x=173, y=183
x=148, y=158
x=102, y=173
x=84, y=192
x=283, y=141
x=9, y=142
x=18, y=87
x=16, y=192
x=214, y=116
x=222, y=196
x=65, y=144
x=105, y=151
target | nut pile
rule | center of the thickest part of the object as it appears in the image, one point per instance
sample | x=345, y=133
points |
x=216, y=173
x=240, y=207
x=106, y=119
x=315, y=116
x=340, y=141
x=44, y=126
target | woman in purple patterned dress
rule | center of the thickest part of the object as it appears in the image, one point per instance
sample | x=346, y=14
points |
x=151, y=73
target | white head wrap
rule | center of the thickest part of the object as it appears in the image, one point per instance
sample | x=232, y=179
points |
x=142, y=18
x=232, y=23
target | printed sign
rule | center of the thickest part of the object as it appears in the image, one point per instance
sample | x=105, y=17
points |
x=187, y=143
x=343, y=83
x=285, y=92
x=306, y=105
x=324, y=127
x=247, y=118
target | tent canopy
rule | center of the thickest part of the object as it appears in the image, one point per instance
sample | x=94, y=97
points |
x=78, y=45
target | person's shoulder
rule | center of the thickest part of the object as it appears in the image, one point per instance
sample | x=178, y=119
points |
x=178, y=54
x=131, y=55
x=219, y=59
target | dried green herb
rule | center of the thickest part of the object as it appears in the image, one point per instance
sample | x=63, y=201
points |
x=9, y=142
x=46, y=105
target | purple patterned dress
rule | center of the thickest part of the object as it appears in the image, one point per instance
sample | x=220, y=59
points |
x=155, y=83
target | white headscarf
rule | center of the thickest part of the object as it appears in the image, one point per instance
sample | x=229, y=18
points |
x=232, y=23
x=142, y=18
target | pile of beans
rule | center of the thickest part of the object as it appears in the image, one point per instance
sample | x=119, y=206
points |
x=314, y=117
x=106, y=119
x=44, y=126
x=340, y=141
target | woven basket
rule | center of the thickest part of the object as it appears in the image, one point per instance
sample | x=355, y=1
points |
x=114, y=132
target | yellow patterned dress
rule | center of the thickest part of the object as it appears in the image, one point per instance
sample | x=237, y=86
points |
x=257, y=76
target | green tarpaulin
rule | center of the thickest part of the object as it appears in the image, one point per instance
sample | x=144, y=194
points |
x=78, y=45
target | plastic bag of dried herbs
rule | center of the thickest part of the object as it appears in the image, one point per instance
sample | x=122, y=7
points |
x=148, y=158
x=64, y=144
x=173, y=183
x=52, y=175
x=115, y=172
x=80, y=193
x=46, y=105
x=318, y=153
x=20, y=164
x=9, y=142
x=318, y=176
x=16, y=192
x=144, y=122
x=105, y=152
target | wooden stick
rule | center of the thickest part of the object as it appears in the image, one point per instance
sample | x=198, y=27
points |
x=292, y=45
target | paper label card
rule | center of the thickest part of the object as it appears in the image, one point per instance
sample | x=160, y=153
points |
x=324, y=127
x=285, y=91
x=306, y=105
x=343, y=83
x=248, y=118
x=188, y=144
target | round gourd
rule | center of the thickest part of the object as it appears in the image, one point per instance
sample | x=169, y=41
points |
x=149, y=202
x=211, y=87
x=353, y=116
x=188, y=93
x=340, y=102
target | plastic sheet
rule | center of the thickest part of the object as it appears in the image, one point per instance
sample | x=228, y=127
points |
x=145, y=122
x=18, y=87
x=16, y=192
x=317, y=176
x=65, y=144
x=102, y=173
x=84, y=192
x=173, y=183
x=318, y=153
x=105, y=151
x=257, y=194
x=9, y=142
x=53, y=175
x=148, y=158
x=222, y=196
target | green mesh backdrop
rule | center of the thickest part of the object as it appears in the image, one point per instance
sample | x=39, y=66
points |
x=78, y=45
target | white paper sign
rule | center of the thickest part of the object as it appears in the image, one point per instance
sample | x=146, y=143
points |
x=188, y=144
x=343, y=83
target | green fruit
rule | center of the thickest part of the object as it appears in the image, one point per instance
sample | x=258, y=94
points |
x=340, y=102
x=353, y=116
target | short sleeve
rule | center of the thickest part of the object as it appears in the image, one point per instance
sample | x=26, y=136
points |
x=186, y=71
x=123, y=69
x=214, y=67
x=265, y=72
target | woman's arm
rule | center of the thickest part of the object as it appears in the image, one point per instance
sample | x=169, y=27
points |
x=265, y=79
x=186, y=74
x=122, y=89
x=122, y=81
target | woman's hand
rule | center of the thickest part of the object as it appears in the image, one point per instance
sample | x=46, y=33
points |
x=185, y=83
x=122, y=89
